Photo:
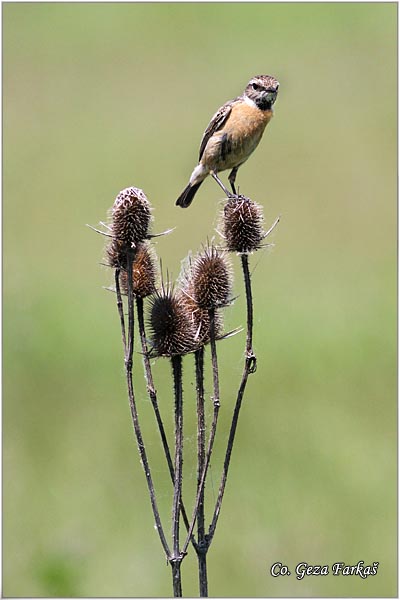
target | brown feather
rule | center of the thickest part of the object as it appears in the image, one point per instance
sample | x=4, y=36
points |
x=216, y=123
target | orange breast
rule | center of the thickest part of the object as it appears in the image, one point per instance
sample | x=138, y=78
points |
x=233, y=144
x=247, y=121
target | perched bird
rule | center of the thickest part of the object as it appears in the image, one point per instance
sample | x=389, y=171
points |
x=233, y=134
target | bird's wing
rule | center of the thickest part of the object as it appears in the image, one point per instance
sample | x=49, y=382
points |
x=216, y=123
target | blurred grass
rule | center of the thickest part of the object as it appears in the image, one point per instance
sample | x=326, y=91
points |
x=97, y=97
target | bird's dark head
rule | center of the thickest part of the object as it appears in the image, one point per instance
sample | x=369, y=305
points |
x=262, y=90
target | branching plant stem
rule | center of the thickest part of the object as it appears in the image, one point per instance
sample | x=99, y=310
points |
x=200, y=490
x=132, y=404
x=174, y=551
x=249, y=367
x=153, y=399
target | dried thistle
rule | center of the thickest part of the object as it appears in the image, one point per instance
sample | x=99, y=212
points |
x=116, y=254
x=210, y=279
x=143, y=272
x=173, y=333
x=199, y=317
x=242, y=225
x=130, y=219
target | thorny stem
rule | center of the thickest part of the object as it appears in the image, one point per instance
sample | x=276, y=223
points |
x=153, y=399
x=134, y=413
x=212, y=431
x=201, y=548
x=249, y=367
x=176, y=505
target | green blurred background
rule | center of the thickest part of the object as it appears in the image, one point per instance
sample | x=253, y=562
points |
x=98, y=97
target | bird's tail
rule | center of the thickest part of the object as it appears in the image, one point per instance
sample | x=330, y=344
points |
x=187, y=195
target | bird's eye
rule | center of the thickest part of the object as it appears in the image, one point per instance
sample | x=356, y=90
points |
x=256, y=87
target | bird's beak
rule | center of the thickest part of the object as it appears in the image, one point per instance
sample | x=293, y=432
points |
x=271, y=94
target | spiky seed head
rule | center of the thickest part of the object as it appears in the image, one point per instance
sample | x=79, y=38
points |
x=116, y=254
x=172, y=331
x=242, y=225
x=130, y=218
x=143, y=272
x=210, y=279
x=199, y=317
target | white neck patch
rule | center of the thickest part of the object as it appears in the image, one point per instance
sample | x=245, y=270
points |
x=250, y=102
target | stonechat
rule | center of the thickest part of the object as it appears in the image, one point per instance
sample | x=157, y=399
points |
x=233, y=134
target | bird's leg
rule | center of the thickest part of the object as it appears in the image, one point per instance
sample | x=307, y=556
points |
x=232, y=179
x=217, y=179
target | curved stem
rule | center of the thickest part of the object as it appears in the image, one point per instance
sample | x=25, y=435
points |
x=213, y=427
x=153, y=399
x=249, y=367
x=134, y=413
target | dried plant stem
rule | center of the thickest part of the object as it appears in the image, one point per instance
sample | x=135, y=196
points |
x=153, y=399
x=249, y=367
x=213, y=429
x=150, y=384
x=177, y=557
x=134, y=413
x=176, y=578
x=214, y=359
x=251, y=361
x=201, y=548
x=120, y=307
x=202, y=566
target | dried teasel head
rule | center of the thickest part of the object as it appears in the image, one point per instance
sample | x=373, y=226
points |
x=209, y=281
x=144, y=272
x=199, y=317
x=130, y=219
x=172, y=331
x=242, y=225
x=116, y=254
